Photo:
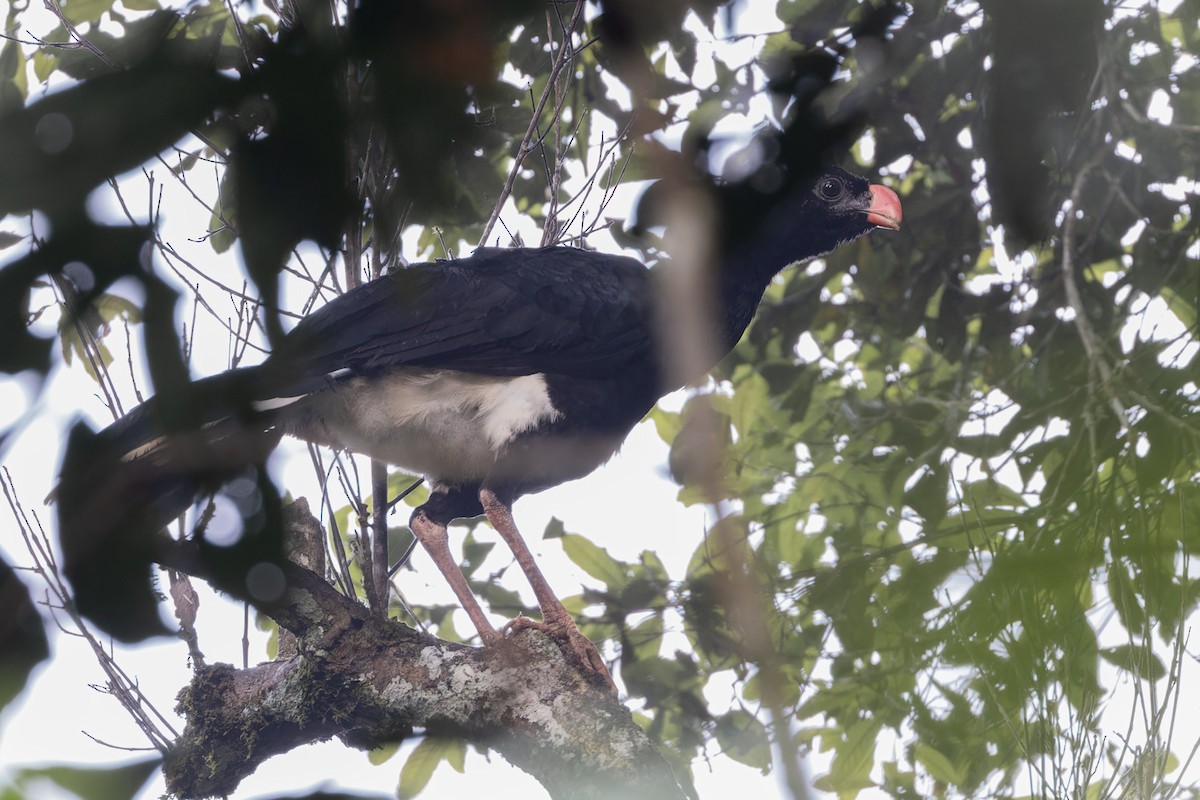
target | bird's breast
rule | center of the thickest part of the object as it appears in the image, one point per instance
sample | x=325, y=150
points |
x=449, y=425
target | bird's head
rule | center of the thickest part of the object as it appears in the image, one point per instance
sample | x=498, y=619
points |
x=838, y=207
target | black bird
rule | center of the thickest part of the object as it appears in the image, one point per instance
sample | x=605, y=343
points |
x=496, y=375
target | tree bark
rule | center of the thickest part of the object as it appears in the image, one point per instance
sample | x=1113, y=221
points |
x=371, y=681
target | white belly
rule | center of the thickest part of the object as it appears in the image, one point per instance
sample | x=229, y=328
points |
x=450, y=426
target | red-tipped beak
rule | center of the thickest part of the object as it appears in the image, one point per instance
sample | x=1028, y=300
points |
x=885, y=208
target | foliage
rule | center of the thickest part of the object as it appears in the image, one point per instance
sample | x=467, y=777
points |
x=89, y=784
x=961, y=465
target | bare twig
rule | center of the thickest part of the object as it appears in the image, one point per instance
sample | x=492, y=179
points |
x=112, y=746
x=342, y=573
x=240, y=30
x=149, y=720
x=1087, y=334
x=54, y=8
x=562, y=58
x=611, y=182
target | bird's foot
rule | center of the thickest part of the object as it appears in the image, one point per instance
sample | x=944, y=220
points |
x=491, y=636
x=577, y=648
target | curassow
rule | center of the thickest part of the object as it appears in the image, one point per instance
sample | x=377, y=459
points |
x=496, y=375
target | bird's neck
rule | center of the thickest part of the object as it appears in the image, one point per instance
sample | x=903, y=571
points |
x=742, y=279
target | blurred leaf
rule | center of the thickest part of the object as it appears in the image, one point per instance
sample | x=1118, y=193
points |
x=113, y=783
x=84, y=11
x=744, y=739
x=940, y=767
x=402, y=483
x=44, y=64
x=1137, y=660
x=423, y=760
x=852, y=760
x=500, y=599
x=14, y=85
x=381, y=755
x=595, y=561
x=647, y=637
x=60, y=147
x=22, y=637
x=554, y=529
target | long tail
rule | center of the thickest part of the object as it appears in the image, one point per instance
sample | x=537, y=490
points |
x=122, y=486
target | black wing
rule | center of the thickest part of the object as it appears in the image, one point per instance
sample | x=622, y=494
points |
x=500, y=312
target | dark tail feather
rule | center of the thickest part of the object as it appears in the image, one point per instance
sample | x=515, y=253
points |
x=121, y=487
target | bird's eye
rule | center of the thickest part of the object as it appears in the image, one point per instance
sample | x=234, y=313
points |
x=830, y=189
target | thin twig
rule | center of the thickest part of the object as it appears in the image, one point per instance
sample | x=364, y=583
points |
x=54, y=8
x=240, y=30
x=120, y=685
x=112, y=746
x=342, y=573
x=1087, y=334
x=562, y=57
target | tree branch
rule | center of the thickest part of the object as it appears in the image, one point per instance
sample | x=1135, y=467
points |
x=370, y=681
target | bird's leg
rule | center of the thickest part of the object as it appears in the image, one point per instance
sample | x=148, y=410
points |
x=556, y=621
x=433, y=537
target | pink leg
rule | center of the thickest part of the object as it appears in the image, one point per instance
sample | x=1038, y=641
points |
x=434, y=539
x=556, y=621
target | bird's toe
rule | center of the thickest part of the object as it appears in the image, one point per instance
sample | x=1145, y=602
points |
x=578, y=649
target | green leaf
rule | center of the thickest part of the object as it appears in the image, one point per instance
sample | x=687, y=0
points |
x=272, y=646
x=455, y=754
x=991, y=494
x=112, y=783
x=44, y=64
x=12, y=67
x=1182, y=307
x=666, y=423
x=646, y=637
x=1172, y=29
x=423, y=760
x=744, y=739
x=939, y=765
x=446, y=629
x=499, y=599
x=853, y=760
x=790, y=11
x=1137, y=660
x=750, y=403
x=1125, y=599
x=554, y=529
x=595, y=561
x=111, y=306
x=84, y=11
x=379, y=755
x=474, y=552
x=402, y=483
